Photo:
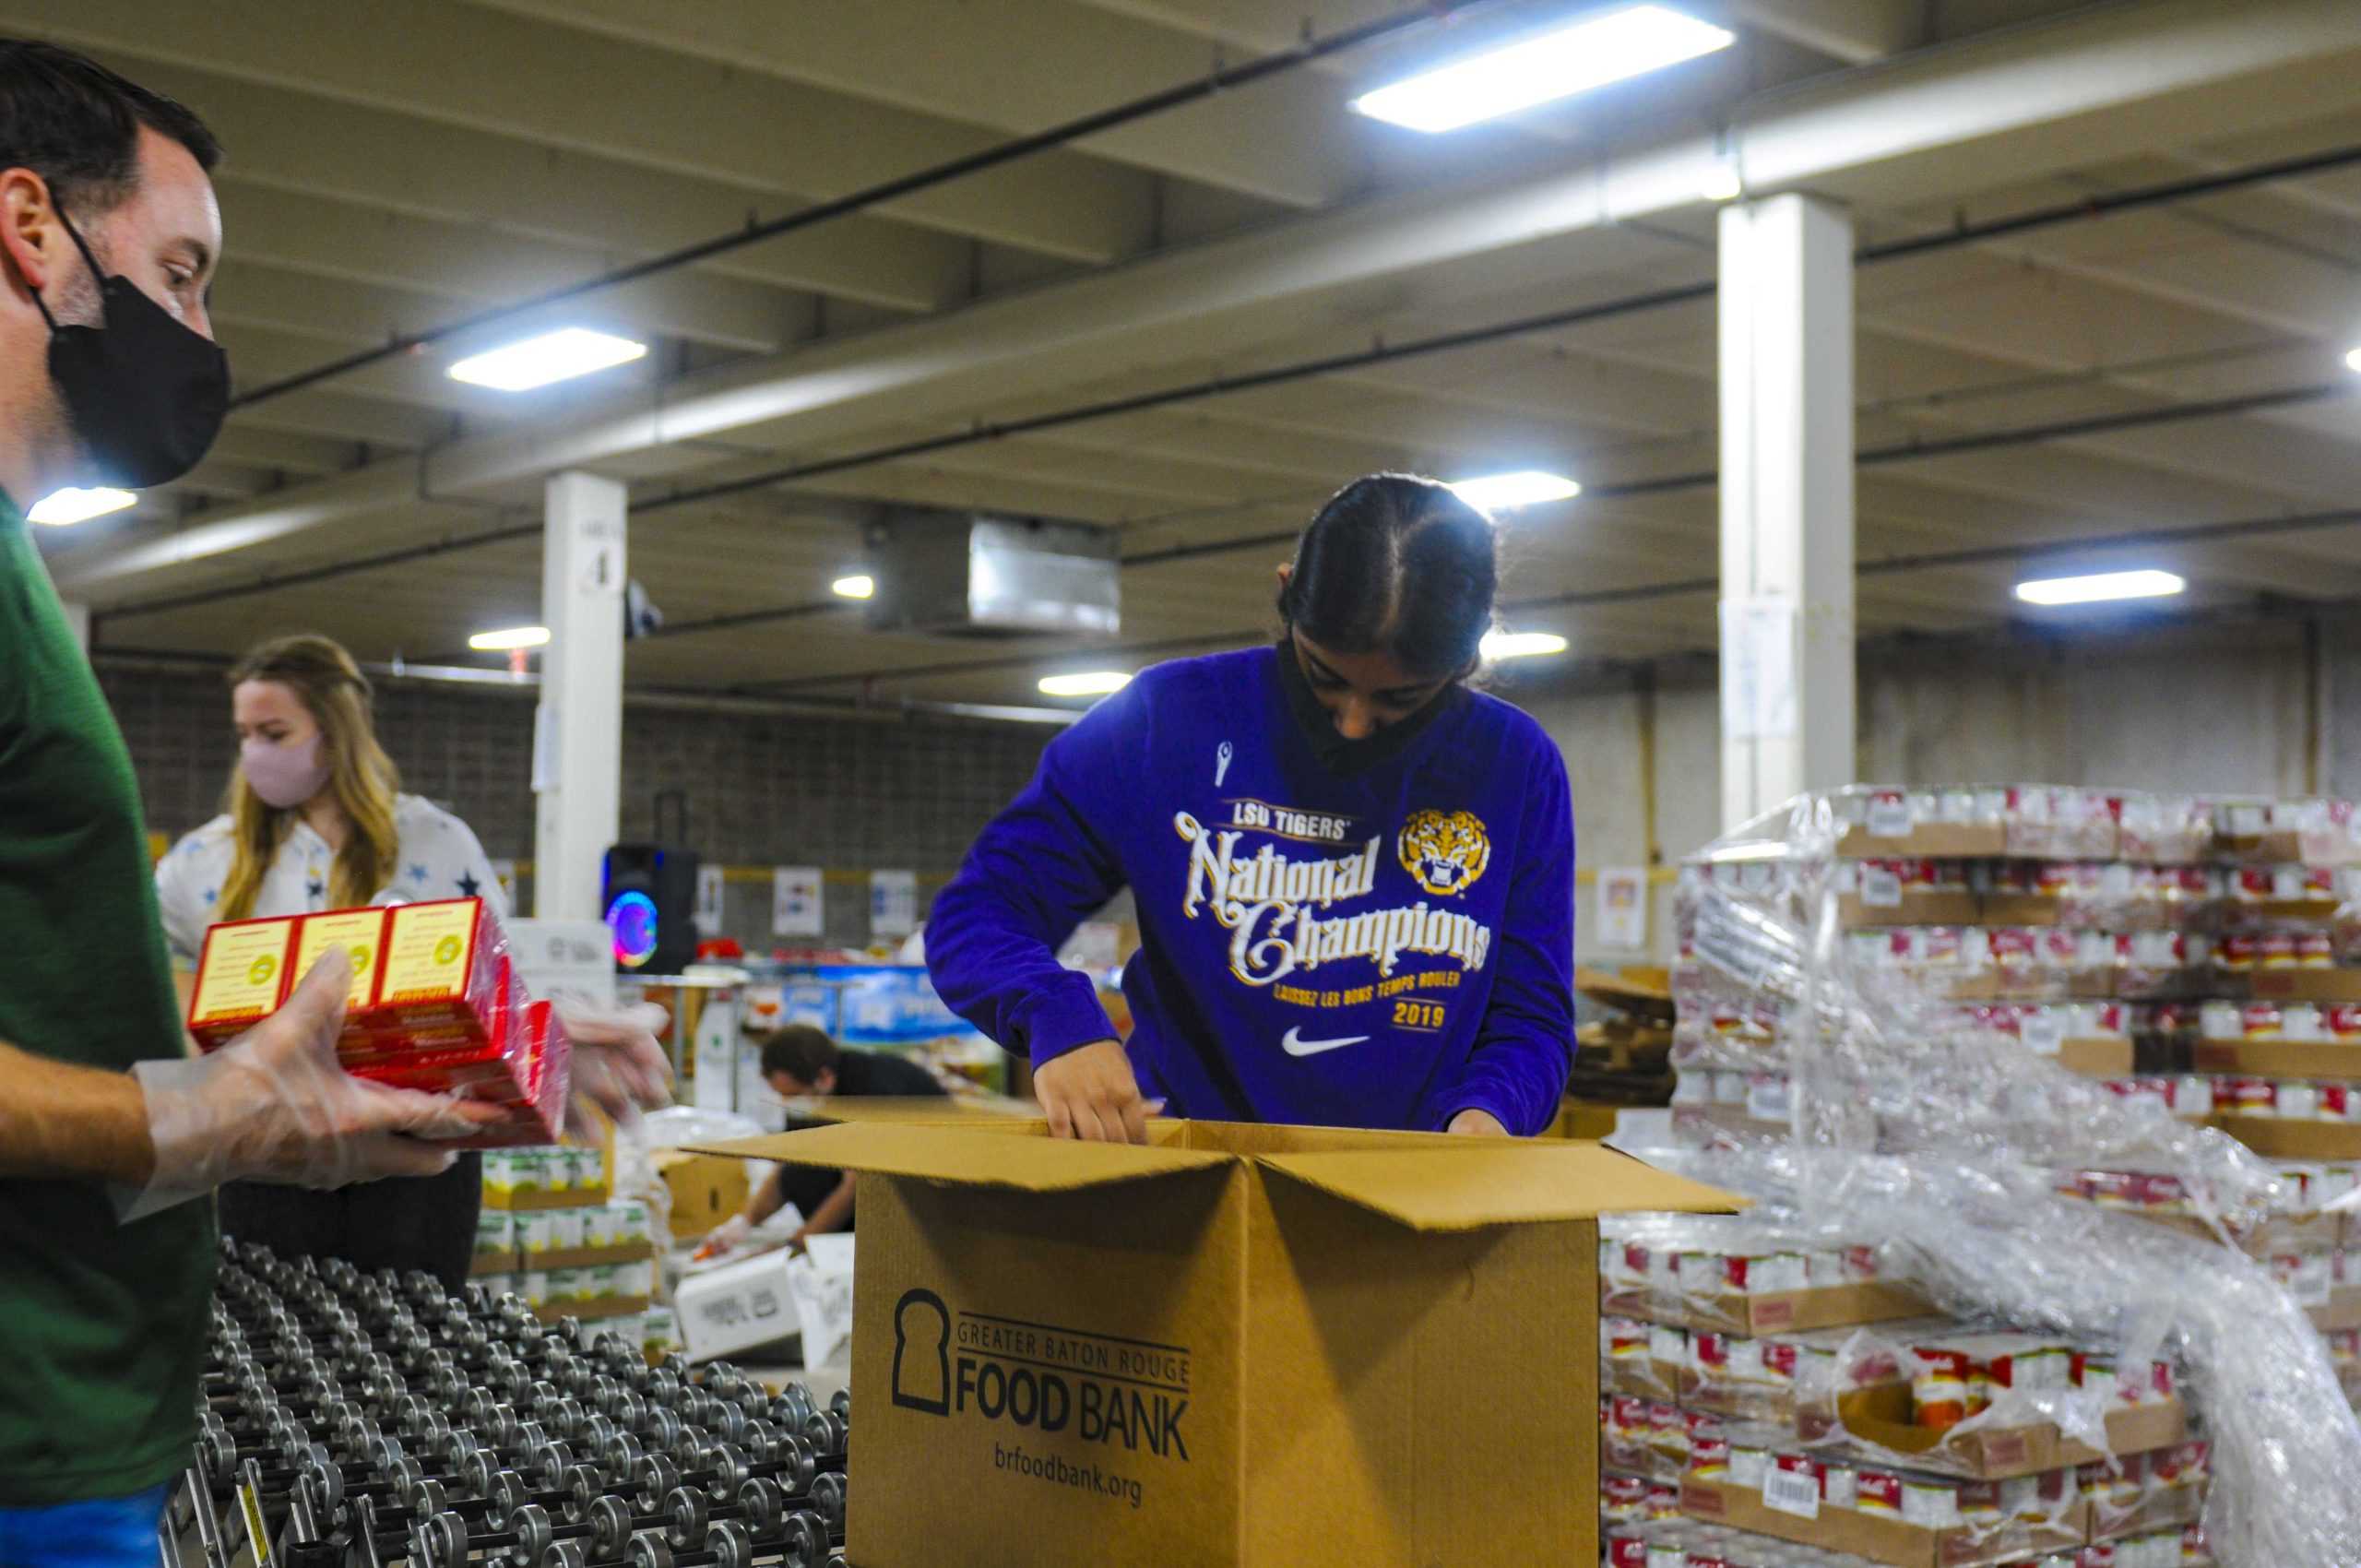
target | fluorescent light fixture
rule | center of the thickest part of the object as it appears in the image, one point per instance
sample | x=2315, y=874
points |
x=2100, y=586
x=60, y=507
x=854, y=587
x=1087, y=684
x=1520, y=645
x=2353, y=360
x=1550, y=66
x=508, y=637
x=553, y=356
x=1505, y=493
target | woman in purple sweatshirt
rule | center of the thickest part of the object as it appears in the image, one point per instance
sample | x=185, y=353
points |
x=1355, y=875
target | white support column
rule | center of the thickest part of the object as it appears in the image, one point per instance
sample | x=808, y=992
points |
x=78, y=615
x=577, y=741
x=1786, y=391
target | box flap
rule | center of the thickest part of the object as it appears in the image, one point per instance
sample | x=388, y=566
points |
x=1499, y=1183
x=996, y=1111
x=962, y=1153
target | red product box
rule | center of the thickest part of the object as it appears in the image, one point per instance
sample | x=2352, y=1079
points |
x=243, y=976
x=541, y=1074
x=446, y=974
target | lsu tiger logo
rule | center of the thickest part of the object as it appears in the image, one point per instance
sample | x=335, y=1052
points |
x=1444, y=852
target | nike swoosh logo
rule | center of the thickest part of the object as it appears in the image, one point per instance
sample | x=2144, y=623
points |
x=1294, y=1044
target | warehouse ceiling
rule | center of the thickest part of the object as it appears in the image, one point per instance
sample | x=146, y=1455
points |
x=452, y=155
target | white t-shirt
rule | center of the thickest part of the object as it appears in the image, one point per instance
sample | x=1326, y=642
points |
x=439, y=858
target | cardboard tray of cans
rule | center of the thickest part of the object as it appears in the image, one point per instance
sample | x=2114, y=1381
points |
x=1881, y=1415
x=2279, y=1058
x=1885, y=1534
x=2282, y=1137
x=1654, y=1542
x=1769, y=1312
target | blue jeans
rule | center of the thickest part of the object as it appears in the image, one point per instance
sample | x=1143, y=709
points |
x=115, y=1532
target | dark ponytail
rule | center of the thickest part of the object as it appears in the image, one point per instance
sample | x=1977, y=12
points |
x=1397, y=564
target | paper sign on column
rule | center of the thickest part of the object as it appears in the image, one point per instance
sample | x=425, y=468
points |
x=1624, y=908
x=893, y=903
x=796, y=909
x=1759, y=668
x=708, y=912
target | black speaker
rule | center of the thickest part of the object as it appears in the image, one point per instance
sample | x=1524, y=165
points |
x=649, y=893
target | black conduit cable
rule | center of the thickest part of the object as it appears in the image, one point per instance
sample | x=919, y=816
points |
x=1959, y=234
x=1222, y=79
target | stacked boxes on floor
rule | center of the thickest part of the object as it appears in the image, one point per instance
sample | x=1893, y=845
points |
x=549, y=1233
x=1767, y=1401
x=1958, y=1040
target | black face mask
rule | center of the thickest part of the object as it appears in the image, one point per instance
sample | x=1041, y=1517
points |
x=147, y=394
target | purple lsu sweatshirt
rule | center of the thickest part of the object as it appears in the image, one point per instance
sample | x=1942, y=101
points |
x=1382, y=949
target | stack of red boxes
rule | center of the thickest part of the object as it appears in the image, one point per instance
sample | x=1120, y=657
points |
x=435, y=1006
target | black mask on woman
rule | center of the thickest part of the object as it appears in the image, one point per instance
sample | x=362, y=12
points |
x=147, y=394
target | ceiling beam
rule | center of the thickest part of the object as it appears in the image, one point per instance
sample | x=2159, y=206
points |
x=298, y=141
x=461, y=66
x=2047, y=96
x=1856, y=31
x=1051, y=62
x=433, y=260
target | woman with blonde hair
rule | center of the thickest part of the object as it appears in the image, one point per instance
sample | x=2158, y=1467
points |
x=316, y=820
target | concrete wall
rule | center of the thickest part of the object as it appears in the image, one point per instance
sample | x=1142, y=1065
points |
x=2255, y=706
x=2245, y=707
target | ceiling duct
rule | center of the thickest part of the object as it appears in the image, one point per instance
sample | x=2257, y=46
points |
x=966, y=576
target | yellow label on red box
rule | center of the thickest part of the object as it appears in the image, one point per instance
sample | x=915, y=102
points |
x=241, y=971
x=361, y=933
x=430, y=952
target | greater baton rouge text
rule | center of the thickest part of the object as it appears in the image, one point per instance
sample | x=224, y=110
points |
x=1123, y=1393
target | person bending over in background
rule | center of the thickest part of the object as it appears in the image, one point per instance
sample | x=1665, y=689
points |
x=316, y=821
x=798, y=1061
x=1355, y=875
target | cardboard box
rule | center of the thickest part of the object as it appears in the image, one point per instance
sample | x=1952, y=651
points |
x=2281, y=1138
x=1927, y=841
x=591, y=1312
x=707, y=1189
x=2098, y=1058
x=1880, y=1414
x=1583, y=1121
x=1239, y=1346
x=1774, y=1312
x=2343, y=1311
x=1909, y=909
x=2279, y=1058
x=1878, y=1537
x=2305, y=985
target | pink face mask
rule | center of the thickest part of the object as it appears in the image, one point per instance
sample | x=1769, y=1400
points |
x=283, y=776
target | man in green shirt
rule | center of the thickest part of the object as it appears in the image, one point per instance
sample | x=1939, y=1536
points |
x=109, y=233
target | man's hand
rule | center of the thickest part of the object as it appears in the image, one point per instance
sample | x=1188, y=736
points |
x=1472, y=1123
x=618, y=1066
x=275, y=1105
x=1089, y=1093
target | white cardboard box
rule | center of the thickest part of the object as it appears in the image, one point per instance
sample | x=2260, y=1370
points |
x=728, y=1310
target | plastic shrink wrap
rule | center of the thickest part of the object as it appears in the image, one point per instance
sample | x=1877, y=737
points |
x=1872, y=1044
